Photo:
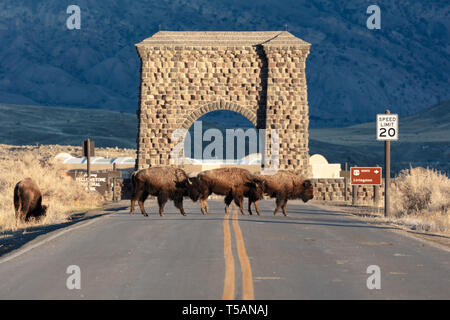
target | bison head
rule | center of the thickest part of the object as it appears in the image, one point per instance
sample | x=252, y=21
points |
x=38, y=213
x=308, y=191
x=193, y=189
x=257, y=187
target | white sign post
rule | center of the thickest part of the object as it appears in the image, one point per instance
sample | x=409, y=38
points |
x=387, y=130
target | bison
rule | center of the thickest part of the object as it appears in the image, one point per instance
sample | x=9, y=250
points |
x=164, y=183
x=284, y=185
x=28, y=201
x=233, y=183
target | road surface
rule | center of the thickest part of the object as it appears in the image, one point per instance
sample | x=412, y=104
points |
x=311, y=254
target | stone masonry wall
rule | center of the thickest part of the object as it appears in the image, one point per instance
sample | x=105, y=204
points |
x=287, y=105
x=334, y=190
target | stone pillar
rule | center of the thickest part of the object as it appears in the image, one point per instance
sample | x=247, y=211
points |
x=287, y=106
x=158, y=108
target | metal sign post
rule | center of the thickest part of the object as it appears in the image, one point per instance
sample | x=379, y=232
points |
x=88, y=151
x=387, y=130
x=345, y=174
x=88, y=158
x=345, y=181
x=387, y=182
x=376, y=192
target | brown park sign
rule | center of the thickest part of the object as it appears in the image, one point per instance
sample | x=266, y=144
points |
x=99, y=181
x=370, y=176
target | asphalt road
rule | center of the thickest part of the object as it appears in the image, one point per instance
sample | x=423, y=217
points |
x=311, y=254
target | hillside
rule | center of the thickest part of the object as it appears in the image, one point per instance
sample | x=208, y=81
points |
x=29, y=125
x=424, y=138
x=352, y=72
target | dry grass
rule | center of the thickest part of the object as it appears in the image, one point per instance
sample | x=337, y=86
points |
x=62, y=194
x=421, y=197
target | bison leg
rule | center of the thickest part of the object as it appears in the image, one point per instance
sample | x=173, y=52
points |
x=133, y=203
x=250, y=206
x=17, y=202
x=162, y=199
x=284, y=208
x=20, y=210
x=255, y=202
x=140, y=197
x=204, y=197
x=201, y=207
x=24, y=213
x=228, y=200
x=257, y=208
x=134, y=197
x=238, y=199
x=19, y=215
x=204, y=206
x=279, y=203
x=141, y=201
x=179, y=204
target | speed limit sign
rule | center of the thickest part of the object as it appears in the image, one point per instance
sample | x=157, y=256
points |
x=387, y=127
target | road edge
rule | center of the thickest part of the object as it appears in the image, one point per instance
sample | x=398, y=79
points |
x=399, y=229
x=87, y=219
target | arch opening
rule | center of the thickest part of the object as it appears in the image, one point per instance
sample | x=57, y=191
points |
x=222, y=137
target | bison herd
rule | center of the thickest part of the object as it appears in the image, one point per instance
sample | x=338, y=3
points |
x=173, y=183
x=234, y=183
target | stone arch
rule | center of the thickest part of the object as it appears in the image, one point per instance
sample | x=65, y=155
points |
x=260, y=75
x=219, y=105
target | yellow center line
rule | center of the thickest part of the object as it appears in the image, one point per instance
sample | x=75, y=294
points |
x=228, y=288
x=247, y=280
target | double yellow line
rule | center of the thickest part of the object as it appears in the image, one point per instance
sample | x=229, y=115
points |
x=247, y=280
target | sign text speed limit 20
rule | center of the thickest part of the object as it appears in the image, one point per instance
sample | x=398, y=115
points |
x=387, y=126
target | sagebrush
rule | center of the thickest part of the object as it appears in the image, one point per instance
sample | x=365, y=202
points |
x=62, y=194
x=422, y=195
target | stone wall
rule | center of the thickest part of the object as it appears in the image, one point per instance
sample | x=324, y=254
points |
x=114, y=191
x=334, y=190
x=265, y=83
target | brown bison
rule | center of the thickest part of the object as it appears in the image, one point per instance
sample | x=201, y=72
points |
x=164, y=183
x=28, y=201
x=284, y=185
x=233, y=183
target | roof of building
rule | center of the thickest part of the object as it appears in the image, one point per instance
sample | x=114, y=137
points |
x=223, y=38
